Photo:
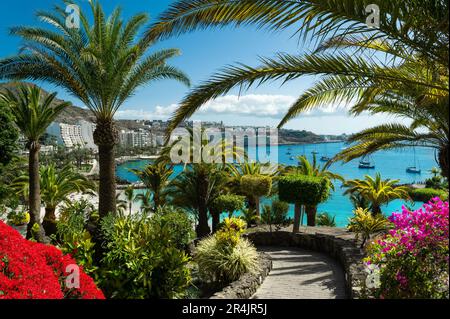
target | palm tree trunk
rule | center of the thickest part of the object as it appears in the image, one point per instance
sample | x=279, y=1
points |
x=311, y=212
x=215, y=220
x=106, y=137
x=443, y=161
x=376, y=209
x=35, y=191
x=297, y=213
x=107, y=185
x=257, y=206
x=49, y=223
x=203, y=229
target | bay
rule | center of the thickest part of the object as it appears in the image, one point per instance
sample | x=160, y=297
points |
x=391, y=164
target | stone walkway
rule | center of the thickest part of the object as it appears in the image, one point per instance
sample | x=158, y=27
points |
x=301, y=274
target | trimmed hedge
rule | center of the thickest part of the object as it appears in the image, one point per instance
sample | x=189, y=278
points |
x=303, y=189
x=256, y=185
x=426, y=194
x=228, y=203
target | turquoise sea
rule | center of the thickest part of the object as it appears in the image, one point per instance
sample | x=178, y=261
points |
x=391, y=164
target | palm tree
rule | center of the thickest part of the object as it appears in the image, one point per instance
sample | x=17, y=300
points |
x=130, y=197
x=145, y=198
x=195, y=190
x=156, y=178
x=56, y=186
x=358, y=63
x=312, y=169
x=33, y=114
x=377, y=191
x=102, y=64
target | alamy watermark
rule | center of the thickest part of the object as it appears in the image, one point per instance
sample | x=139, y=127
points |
x=373, y=19
x=214, y=145
x=73, y=16
x=73, y=278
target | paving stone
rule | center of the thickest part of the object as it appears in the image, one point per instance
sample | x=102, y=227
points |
x=301, y=274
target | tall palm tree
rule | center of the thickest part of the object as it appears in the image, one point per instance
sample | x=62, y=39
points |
x=102, y=64
x=305, y=167
x=156, y=178
x=358, y=63
x=33, y=114
x=56, y=186
x=377, y=191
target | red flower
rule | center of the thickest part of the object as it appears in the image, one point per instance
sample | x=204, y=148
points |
x=30, y=270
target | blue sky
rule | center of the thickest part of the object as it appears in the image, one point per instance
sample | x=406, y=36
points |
x=203, y=53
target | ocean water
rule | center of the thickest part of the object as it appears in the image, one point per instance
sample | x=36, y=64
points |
x=391, y=164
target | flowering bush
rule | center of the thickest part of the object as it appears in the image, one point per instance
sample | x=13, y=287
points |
x=412, y=260
x=30, y=270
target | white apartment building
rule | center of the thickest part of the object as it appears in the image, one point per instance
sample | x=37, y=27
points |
x=139, y=138
x=72, y=136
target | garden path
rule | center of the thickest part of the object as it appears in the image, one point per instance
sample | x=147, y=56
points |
x=301, y=274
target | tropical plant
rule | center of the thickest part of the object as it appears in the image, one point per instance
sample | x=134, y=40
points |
x=195, y=190
x=130, y=197
x=56, y=186
x=276, y=214
x=246, y=169
x=16, y=218
x=225, y=256
x=102, y=64
x=427, y=194
x=142, y=259
x=364, y=224
x=413, y=73
x=156, y=178
x=325, y=219
x=33, y=113
x=9, y=136
x=305, y=167
x=30, y=270
x=146, y=201
x=377, y=191
x=303, y=191
x=411, y=261
x=177, y=223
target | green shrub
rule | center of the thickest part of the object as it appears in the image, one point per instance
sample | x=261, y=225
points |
x=73, y=238
x=178, y=223
x=223, y=264
x=256, y=185
x=226, y=256
x=325, y=219
x=142, y=260
x=249, y=216
x=276, y=214
x=364, y=224
x=228, y=203
x=303, y=189
x=426, y=194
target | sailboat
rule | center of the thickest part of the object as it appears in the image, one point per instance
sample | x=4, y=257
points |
x=366, y=163
x=414, y=169
x=325, y=158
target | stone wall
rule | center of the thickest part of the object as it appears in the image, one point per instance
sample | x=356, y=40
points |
x=247, y=285
x=336, y=243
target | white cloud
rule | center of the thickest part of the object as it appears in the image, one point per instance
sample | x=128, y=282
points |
x=251, y=105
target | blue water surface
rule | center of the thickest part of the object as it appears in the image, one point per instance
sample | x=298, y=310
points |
x=391, y=164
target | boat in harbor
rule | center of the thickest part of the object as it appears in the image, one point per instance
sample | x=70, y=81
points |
x=366, y=163
x=414, y=169
x=325, y=158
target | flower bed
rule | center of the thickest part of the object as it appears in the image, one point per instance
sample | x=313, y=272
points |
x=412, y=260
x=30, y=270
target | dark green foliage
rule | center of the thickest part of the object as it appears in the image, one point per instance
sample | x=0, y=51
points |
x=276, y=214
x=141, y=259
x=178, y=224
x=8, y=136
x=325, y=219
x=426, y=194
x=256, y=185
x=306, y=190
x=228, y=203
